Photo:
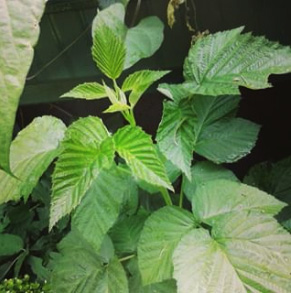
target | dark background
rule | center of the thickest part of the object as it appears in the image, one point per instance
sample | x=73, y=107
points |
x=63, y=60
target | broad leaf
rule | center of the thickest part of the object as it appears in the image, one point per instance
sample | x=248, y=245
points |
x=100, y=207
x=175, y=135
x=80, y=269
x=250, y=252
x=214, y=199
x=203, y=172
x=139, y=82
x=160, y=236
x=227, y=141
x=32, y=151
x=111, y=17
x=138, y=150
x=218, y=64
x=135, y=282
x=19, y=32
x=87, y=150
x=143, y=40
x=125, y=233
x=10, y=244
x=88, y=91
x=108, y=52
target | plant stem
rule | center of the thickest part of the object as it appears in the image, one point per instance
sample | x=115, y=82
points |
x=127, y=257
x=181, y=197
x=166, y=196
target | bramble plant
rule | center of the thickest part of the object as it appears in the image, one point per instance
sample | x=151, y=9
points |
x=123, y=238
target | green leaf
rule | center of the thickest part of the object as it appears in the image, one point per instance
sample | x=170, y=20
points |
x=88, y=91
x=80, y=269
x=108, y=52
x=31, y=154
x=111, y=17
x=218, y=64
x=87, y=150
x=214, y=199
x=106, y=3
x=19, y=32
x=203, y=172
x=10, y=244
x=287, y=225
x=139, y=82
x=175, y=135
x=160, y=236
x=100, y=207
x=36, y=264
x=143, y=40
x=228, y=140
x=138, y=150
x=135, y=283
x=118, y=107
x=125, y=233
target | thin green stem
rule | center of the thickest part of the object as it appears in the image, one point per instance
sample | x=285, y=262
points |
x=166, y=196
x=127, y=257
x=181, y=197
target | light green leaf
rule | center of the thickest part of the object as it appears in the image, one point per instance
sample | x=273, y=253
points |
x=19, y=32
x=175, y=135
x=259, y=249
x=111, y=17
x=125, y=233
x=108, y=52
x=87, y=150
x=32, y=151
x=135, y=283
x=160, y=236
x=214, y=199
x=88, y=91
x=203, y=172
x=139, y=82
x=227, y=141
x=118, y=107
x=175, y=92
x=138, y=150
x=80, y=269
x=143, y=40
x=218, y=64
x=200, y=266
x=100, y=207
x=10, y=244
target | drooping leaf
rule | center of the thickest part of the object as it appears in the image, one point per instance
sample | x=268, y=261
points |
x=135, y=282
x=227, y=141
x=32, y=151
x=143, y=40
x=218, y=64
x=139, y=82
x=88, y=91
x=137, y=148
x=108, y=52
x=87, y=150
x=81, y=269
x=19, y=32
x=100, y=207
x=10, y=244
x=111, y=17
x=125, y=233
x=203, y=172
x=216, y=198
x=175, y=135
x=160, y=236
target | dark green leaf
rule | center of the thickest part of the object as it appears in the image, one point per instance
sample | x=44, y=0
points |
x=19, y=32
x=10, y=244
x=36, y=264
x=161, y=234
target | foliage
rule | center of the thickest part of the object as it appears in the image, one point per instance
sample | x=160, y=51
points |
x=122, y=238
